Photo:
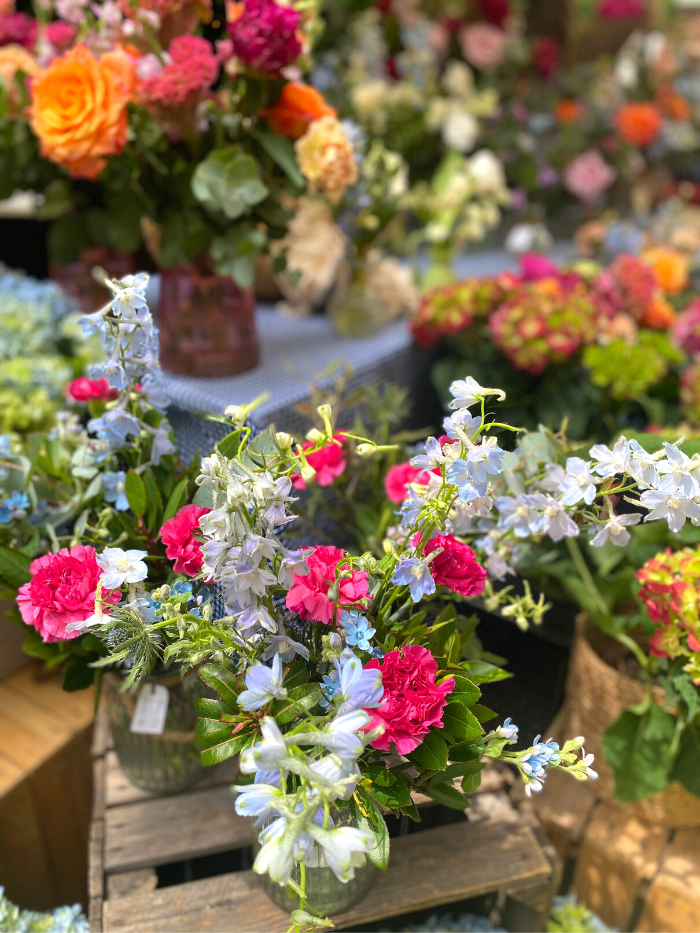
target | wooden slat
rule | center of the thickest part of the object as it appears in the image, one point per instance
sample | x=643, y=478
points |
x=44, y=690
x=427, y=869
x=101, y=736
x=10, y=775
x=129, y=883
x=29, y=734
x=168, y=829
x=120, y=790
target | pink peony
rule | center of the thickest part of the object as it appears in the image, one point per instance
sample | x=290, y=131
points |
x=18, y=29
x=329, y=463
x=588, y=176
x=483, y=45
x=621, y=9
x=397, y=480
x=61, y=35
x=308, y=597
x=413, y=702
x=62, y=590
x=264, y=35
x=456, y=567
x=84, y=390
x=180, y=544
x=193, y=69
x=686, y=329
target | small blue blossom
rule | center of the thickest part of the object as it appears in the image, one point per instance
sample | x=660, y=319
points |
x=432, y=457
x=412, y=506
x=13, y=506
x=358, y=630
x=508, y=731
x=484, y=459
x=460, y=475
x=114, y=485
x=330, y=687
x=415, y=574
x=114, y=427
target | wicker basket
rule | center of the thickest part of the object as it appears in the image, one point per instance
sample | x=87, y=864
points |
x=596, y=695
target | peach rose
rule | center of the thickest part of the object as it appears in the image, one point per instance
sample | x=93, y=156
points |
x=326, y=158
x=14, y=58
x=79, y=109
x=670, y=268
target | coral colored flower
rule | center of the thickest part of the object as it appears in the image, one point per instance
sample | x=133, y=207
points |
x=61, y=35
x=483, y=45
x=621, y=9
x=85, y=390
x=14, y=58
x=18, y=29
x=546, y=55
x=329, y=463
x=180, y=542
x=398, y=479
x=635, y=283
x=298, y=105
x=412, y=702
x=326, y=158
x=686, y=329
x=265, y=35
x=659, y=315
x=308, y=597
x=79, y=109
x=670, y=268
x=588, y=176
x=671, y=103
x=639, y=124
x=193, y=69
x=456, y=567
x=568, y=110
x=62, y=590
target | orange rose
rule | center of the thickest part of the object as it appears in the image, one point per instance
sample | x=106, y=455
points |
x=79, y=109
x=659, y=315
x=568, y=110
x=298, y=105
x=670, y=268
x=14, y=58
x=671, y=103
x=638, y=124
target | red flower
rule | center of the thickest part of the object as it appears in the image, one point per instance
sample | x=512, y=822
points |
x=456, y=567
x=329, y=463
x=397, y=480
x=18, y=29
x=61, y=35
x=413, y=702
x=309, y=598
x=86, y=390
x=546, y=55
x=495, y=11
x=193, y=68
x=180, y=544
x=264, y=35
x=62, y=590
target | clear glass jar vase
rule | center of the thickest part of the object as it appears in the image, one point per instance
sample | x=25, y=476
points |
x=166, y=763
x=207, y=324
x=324, y=892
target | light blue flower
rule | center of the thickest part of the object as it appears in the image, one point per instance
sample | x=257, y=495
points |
x=358, y=629
x=13, y=506
x=263, y=684
x=415, y=574
x=114, y=485
x=463, y=420
x=114, y=427
x=508, y=731
x=460, y=475
x=331, y=683
x=111, y=370
x=411, y=507
x=432, y=457
x=483, y=459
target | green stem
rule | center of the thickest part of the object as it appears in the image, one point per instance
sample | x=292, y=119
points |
x=586, y=575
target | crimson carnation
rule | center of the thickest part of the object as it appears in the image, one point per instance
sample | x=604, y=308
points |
x=413, y=702
x=456, y=567
x=329, y=463
x=309, y=598
x=62, y=590
x=180, y=542
x=18, y=29
x=193, y=68
x=264, y=35
x=86, y=390
x=546, y=55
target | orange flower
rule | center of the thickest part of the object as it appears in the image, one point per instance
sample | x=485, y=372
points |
x=79, y=109
x=298, y=105
x=568, y=110
x=14, y=58
x=671, y=103
x=638, y=124
x=670, y=268
x=659, y=315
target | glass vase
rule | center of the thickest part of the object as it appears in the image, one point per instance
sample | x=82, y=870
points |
x=324, y=892
x=207, y=325
x=76, y=277
x=166, y=763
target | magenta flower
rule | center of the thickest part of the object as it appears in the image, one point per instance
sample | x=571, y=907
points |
x=264, y=35
x=621, y=9
x=309, y=596
x=180, y=542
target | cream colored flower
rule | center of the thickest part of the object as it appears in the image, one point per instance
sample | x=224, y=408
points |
x=326, y=158
x=393, y=284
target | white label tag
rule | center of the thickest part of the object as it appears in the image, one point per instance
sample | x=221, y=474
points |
x=151, y=710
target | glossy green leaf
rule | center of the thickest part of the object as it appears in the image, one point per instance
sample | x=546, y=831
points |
x=176, y=500
x=480, y=672
x=467, y=751
x=471, y=782
x=464, y=691
x=483, y=713
x=223, y=682
x=447, y=795
x=459, y=769
x=135, y=493
x=14, y=567
x=687, y=766
x=282, y=151
x=460, y=722
x=373, y=823
x=637, y=747
x=228, y=446
x=301, y=698
x=431, y=753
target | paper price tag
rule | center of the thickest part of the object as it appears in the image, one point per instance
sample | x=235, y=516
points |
x=151, y=710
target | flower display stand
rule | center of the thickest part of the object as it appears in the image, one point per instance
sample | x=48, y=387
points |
x=133, y=835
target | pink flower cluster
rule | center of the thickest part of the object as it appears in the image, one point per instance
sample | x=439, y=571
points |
x=177, y=534
x=62, y=590
x=456, y=567
x=309, y=596
x=588, y=176
x=18, y=29
x=329, y=463
x=264, y=35
x=413, y=702
x=193, y=68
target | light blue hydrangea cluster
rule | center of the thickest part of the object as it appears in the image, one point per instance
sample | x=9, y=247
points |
x=61, y=920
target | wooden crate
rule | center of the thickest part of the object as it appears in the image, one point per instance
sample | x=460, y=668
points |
x=133, y=833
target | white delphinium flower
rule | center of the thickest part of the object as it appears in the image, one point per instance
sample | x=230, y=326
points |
x=668, y=502
x=340, y=735
x=358, y=688
x=553, y=478
x=553, y=518
x=615, y=530
x=256, y=617
x=643, y=464
x=217, y=524
x=463, y=514
x=342, y=771
x=462, y=425
x=681, y=468
x=467, y=392
x=120, y=567
x=258, y=799
x=578, y=483
x=344, y=848
x=269, y=754
x=129, y=296
x=285, y=646
x=611, y=462
x=294, y=563
x=518, y=514
x=263, y=684
x=432, y=457
x=486, y=457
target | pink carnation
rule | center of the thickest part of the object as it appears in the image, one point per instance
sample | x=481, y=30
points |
x=329, y=463
x=85, y=390
x=264, y=35
x=621, y=9
x=483, y=45
x=18, y=29
x=62, y=590
x=588, y=176
x=456, y=567
x=308, y=597
x=193, y=68
x=180, y=544
x=686, y=329
x=397, y=480
x=413, y=702
x=61, y=35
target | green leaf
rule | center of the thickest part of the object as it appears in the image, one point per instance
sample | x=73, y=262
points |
x=176, y=500
x=14, y=567
x=458, y=770
x=228, y=182
x=471, y=782
x=464, y=691
x=153, y=498
x=298, y=699
x=296, y=675
x=225, y=748
x=637, y=747
x=282, y=152
x=228, y=446
x=78, y=675
x=136, y=493
x=687, y=766
x=223, y=682
x=460, y=722
x=391, y=791
x=431, y=753
x=483, y=713
x=467, y=751
x=373, y=823
x=480, y=672
x=447, y=795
